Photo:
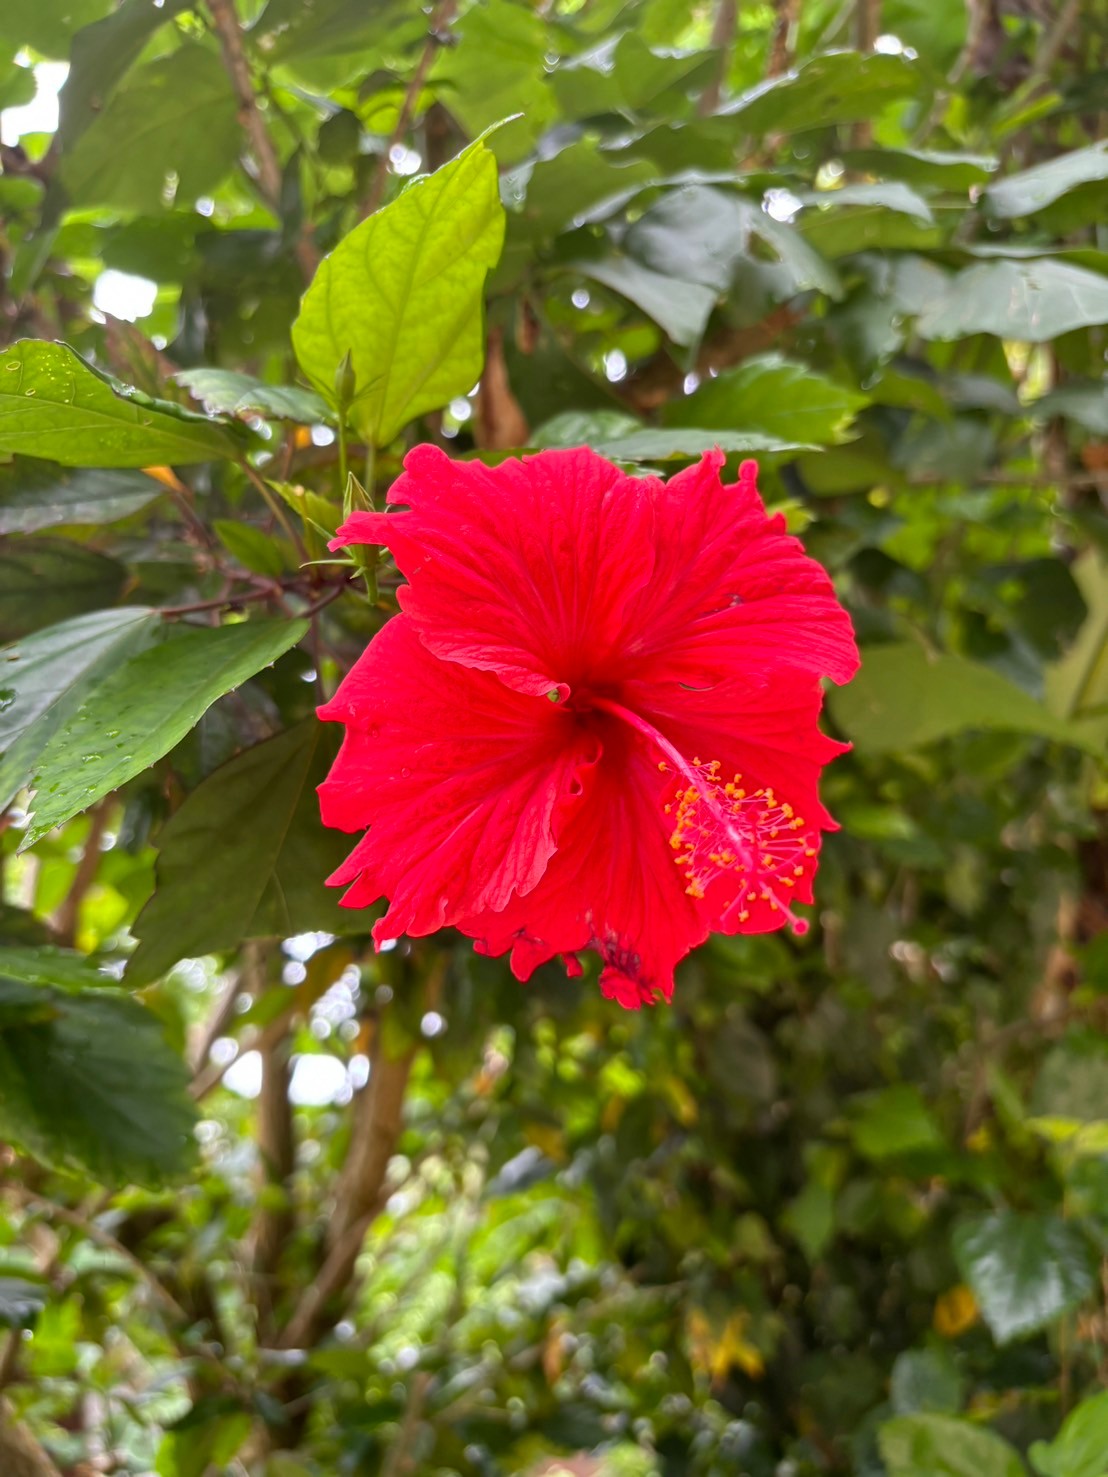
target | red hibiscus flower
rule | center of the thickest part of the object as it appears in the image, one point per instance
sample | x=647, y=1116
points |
x=594, y=725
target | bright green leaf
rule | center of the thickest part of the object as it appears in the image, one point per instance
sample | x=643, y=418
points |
x=940, y=1446
x=1081, y=1447
x=1077, y=684
x=402, y=294
x=55, y=404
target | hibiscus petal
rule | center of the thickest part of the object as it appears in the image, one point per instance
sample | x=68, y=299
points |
x=460, y=779
x=524, y=569
x=612, y=886
x=732, y=591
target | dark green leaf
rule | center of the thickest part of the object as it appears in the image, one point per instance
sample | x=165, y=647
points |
x=839, y=87
x=20, y=1301
x=176, y=116
x=210, y=896
x=926, y=1380
x=893, y=1122
x=1029, y=300
x=903, y=698
x=90, y=1084
x=101, y=55
x=1024, y=1270
x=1031, y=189
x=1087, y=404
x=43, y=581
x=54, y=404
x=924, y=166
x=685, y=443
x=772, y=396
x=679, y=307
x=36, y=494
x=142, y=708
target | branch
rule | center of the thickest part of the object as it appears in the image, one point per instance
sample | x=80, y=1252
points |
x=436, y=32
x=376, y=1128
x=276, y=1147
x=226, y=22
x=20, y=1454
x=784, y=35
x=266, y=162
x=66, y=915
x=722, y=40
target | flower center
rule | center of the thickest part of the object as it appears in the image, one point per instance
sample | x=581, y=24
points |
x=749, y=841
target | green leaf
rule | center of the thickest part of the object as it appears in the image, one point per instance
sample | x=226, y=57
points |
x=926, y=1380
x=47, y=580
x=402, y=294
x=90, y=1084
x=838, y=87
x=1032, y=301
x=940, y=1446
x=55, y=404
x=252, y=548
x=1024, y=1270
x=775, y=397
x=1077, y=684
x=700, y=234
x=208, y=1436
x=20, y=1301
x=679, y=307
x=681, y=443
x=209, y=895
x=99, y=57
x=1087, y=404
x=45, y=677
x=923, y=166
x=230, y=393
x=494, y=69
x=894, y=196
x=902, y=697
x=176, y=116
x=142, y=708
x=47, y=27
x=893, y=1122
x=1081, y=1447
x=1031, y=189
x=36, y=494
x=1073, y=1081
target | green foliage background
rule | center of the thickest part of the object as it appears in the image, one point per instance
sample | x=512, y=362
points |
x=273, y=1205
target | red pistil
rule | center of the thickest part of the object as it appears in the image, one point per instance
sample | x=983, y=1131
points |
x=721, y=830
